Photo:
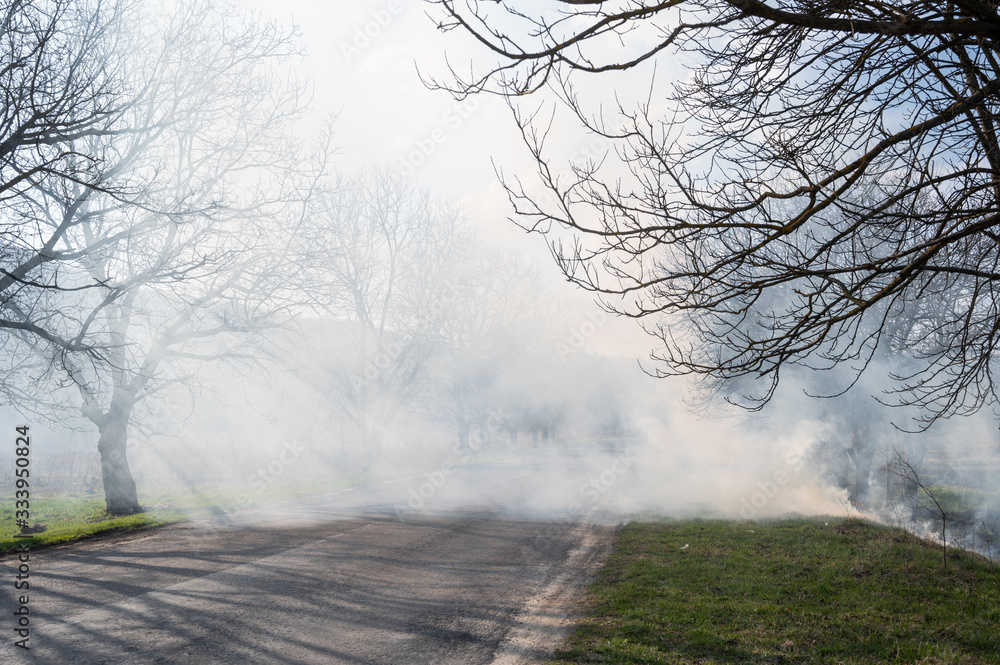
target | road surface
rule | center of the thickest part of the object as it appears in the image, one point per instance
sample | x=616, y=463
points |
x=476, y=564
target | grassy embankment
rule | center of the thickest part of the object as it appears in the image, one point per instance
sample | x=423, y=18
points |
x=793, y=591
x=69, y=518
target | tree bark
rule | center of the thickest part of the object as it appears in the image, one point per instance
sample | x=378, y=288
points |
x=120, y=496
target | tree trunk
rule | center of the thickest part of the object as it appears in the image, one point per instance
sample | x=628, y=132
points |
x=119, y=487
x=485, y=435
x=512, y=433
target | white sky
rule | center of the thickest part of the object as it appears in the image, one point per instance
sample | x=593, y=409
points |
x=363, y=61
x=385, y=112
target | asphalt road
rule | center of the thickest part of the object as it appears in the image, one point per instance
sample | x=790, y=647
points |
x=476, y=564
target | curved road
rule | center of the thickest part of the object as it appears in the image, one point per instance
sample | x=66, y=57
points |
x=487, y=569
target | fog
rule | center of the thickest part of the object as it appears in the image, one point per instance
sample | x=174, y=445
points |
x=409, y=335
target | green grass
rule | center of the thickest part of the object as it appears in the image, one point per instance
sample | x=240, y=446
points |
x=70, y=518
x=955, y=499
x=792, y=591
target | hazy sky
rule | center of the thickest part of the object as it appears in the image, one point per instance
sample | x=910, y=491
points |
x=363, y=62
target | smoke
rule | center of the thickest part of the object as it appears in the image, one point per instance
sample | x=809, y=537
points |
x=565, y=437
x=562, y=439
x=430, y=364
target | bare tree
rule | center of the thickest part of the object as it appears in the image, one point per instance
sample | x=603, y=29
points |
x=197, y=256
x=64, y=86
x=381, y=253
x=491, y=298
x=930, y=501
x=819, y=171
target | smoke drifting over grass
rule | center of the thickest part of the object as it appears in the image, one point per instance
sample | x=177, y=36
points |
x=582, y=438
x=261, y=445
x=410, y=352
